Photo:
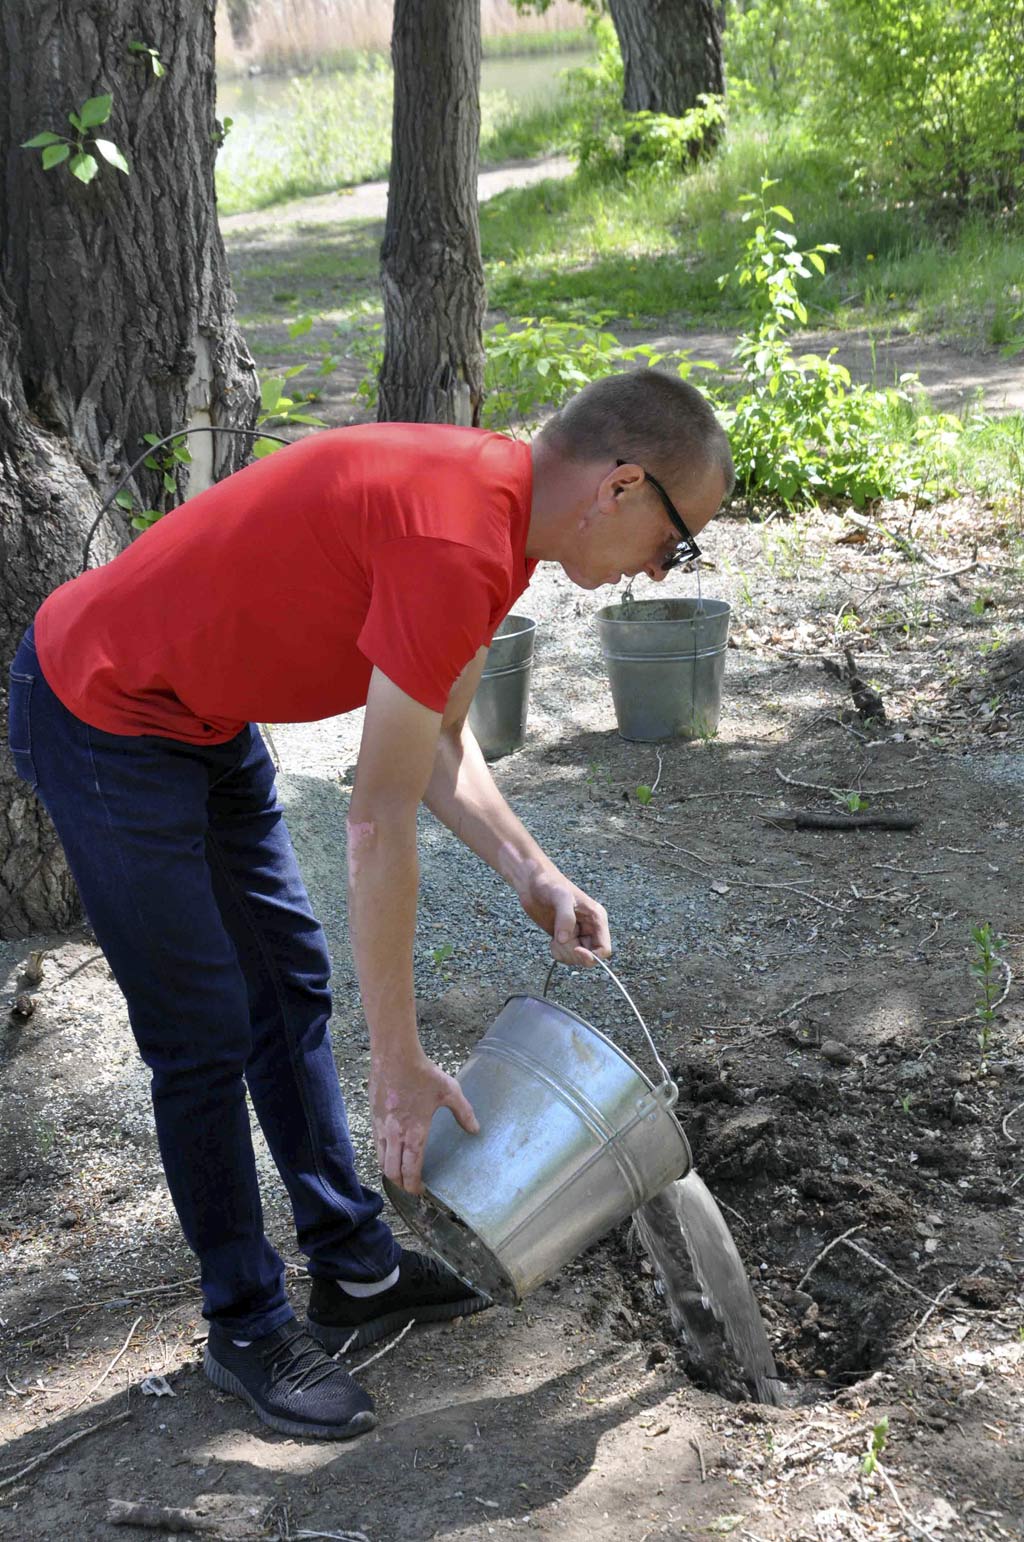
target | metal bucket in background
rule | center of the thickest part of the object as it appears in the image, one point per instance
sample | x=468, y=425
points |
x=497, y=715
x=665, y=662
x=573, y=1138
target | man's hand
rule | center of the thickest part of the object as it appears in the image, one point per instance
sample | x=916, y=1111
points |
x=405, y=1093
x=576, y=924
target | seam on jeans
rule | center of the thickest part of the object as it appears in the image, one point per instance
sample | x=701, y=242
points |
x=243, y=751
x=240, y=899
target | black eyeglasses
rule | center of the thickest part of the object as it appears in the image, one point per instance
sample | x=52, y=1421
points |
x=687, y=549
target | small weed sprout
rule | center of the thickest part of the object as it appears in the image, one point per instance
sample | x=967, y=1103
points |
x=986, y=969
x=879, y=1436
x=644, y=794
x=441, y=955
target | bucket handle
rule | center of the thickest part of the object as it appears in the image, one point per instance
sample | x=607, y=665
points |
x=667, y=1085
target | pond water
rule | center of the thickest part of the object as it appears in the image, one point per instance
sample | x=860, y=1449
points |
x=529, y=81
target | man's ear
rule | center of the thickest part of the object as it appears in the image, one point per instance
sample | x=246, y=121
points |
x=623, y=479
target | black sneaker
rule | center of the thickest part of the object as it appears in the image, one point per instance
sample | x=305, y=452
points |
x=290, y=1383
x=426, y=1291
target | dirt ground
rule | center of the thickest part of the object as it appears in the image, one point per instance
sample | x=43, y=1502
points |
x=811, y=990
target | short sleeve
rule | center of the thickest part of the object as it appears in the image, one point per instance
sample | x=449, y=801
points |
x=433, y=604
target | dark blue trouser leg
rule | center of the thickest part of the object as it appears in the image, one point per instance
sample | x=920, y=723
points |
x=290, y=1072
x=160, y=836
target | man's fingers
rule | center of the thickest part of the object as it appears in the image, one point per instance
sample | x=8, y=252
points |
x=565, y=918
x=462, y=1109
x=411, y=1168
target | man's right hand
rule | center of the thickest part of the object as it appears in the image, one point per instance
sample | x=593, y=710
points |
x=405, y=1093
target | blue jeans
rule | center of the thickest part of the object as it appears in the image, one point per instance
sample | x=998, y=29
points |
x=190, y=882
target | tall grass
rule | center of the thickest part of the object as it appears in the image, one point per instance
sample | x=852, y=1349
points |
x=324, y=34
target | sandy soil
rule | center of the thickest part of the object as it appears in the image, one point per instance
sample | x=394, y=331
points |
x=811, y=991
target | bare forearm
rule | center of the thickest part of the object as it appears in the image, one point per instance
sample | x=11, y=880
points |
x=462, y=793
x=383, y=876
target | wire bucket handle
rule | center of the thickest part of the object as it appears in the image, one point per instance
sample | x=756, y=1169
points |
x=666, y=1086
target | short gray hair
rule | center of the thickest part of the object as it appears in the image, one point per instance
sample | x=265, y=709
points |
x=658, y=421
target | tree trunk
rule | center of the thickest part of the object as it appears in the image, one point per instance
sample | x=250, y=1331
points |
x=671, y=51
x=431, y=272
x=242, y=17
x=115, y=322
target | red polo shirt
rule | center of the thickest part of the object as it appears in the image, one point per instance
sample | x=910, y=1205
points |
x=271, y=596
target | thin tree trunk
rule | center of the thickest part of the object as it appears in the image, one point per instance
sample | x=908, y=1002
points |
x=115, y=321
x=431, y=271
x=671, y=51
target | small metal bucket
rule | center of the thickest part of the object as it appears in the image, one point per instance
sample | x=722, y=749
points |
x=665, y=662
x=497, y=714
x=573, y=1138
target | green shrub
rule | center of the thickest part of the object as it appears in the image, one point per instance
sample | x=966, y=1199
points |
x=607, y=140
x=799, y=429
x=926, y=101
x=534, y=364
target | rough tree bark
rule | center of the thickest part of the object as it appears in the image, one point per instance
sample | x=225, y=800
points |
x=115, y=321
x=431, y=272
x=672, y=52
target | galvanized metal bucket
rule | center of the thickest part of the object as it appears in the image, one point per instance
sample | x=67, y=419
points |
x=497, y=715
x=665, y=662
x=573, y=1138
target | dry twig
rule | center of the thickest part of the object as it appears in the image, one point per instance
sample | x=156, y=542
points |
x=871, y=792
x=108, y=1370
x=62, y=1445
x=1006, y=1120
x=700, y=1457
x=386, y=1350
x=825, y=1252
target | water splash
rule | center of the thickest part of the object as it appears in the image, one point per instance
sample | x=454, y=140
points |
x=708, y=1293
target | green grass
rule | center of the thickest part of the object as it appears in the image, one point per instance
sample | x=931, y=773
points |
x=650, y=250
x=523, y=45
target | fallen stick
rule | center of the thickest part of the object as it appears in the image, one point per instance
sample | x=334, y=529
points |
x=825, y=1252
x=386, y=1350
x=90, y=1306
x=108, y=1370
x=873, y=792
x=700, y=1457
x=62, y=1445
x=126, y=1512
x=786, y=821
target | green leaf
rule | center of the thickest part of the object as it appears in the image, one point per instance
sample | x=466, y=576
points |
x=95, y=111
x=84, y=166
x=112, y=154
x=644, y=794
x=782, y=212
x=818, y=261
x=151, y=438
x=301, y=327
x=124, y=499
x=76, y=122
x=270, y=394
x=53, y=155
x=170, y=485
x=158, y=69
x=138, y=48
x=40, y=140
x=264, y=447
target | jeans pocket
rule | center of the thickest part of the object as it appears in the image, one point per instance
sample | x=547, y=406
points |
x=20, y=727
